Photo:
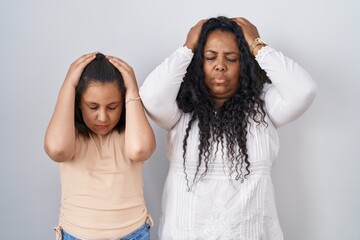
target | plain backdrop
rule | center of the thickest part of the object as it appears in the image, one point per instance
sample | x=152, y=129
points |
x=317, y=175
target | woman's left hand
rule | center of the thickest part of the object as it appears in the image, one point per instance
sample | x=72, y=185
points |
x=127, y=73
x=250, y=31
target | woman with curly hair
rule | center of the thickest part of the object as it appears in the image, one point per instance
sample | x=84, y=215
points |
x=222, y=97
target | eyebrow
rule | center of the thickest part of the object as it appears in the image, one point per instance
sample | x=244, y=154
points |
x=226, y=53
x=94, y=103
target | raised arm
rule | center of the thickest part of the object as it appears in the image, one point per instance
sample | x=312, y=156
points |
x=139, y=136
x=293, y=90
x=60, y=134
x=162, y=85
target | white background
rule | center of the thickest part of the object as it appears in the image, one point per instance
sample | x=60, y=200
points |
x=317, y=175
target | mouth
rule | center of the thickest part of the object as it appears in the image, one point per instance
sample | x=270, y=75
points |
x=219, y=80
x=101, y=126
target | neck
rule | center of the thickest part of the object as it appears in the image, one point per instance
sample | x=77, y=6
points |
x=218, y=103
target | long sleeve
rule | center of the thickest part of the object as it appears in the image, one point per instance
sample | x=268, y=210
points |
x=160, y=88
x=292, y=90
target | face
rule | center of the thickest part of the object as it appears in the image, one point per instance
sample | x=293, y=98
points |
x=221, y=65
x=101, y=106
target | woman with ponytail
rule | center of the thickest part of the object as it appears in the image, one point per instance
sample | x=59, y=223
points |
x=100, y=136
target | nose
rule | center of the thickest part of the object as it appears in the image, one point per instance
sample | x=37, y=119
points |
x=220, y=66
x=102, y=116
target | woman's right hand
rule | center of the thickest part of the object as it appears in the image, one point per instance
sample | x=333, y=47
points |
x=60, y=134
x=76, y=68
x=193, y=36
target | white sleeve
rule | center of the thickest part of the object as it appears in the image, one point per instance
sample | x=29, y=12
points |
x=160, y=88
x=292, y=90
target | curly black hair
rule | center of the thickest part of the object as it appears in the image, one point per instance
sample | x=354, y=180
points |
x=99, y=70
x=227, y=126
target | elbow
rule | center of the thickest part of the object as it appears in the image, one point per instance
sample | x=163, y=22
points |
x=57, y=154
x=305, y=93
x=310, y=93
x=142, y=152
x=308, y=90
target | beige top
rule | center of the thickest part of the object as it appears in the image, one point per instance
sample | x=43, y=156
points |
x=102, y=190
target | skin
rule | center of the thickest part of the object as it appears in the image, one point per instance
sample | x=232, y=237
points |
x=60, y=134
x=250, y=32
x=101, y=106
x=221, y=66
x=220, y=70
x=139, y=137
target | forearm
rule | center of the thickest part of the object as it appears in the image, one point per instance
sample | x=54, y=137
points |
x=60, y=134
x=139, y=136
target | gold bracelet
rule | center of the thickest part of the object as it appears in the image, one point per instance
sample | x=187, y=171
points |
x=133, y=99
x=255, y=43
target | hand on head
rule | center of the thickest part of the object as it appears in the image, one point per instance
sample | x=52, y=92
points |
x=77, y=67
x=127, y=73
x=250, y=31
x=192, y=38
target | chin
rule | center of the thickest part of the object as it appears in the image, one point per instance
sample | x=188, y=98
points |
x=101, y=133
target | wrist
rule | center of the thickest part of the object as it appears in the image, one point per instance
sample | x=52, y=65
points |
x=257, y=49
x=256, y=45
x=132, y=99
x=190, y=46
x=68, y=84
x=132, y=92
x=132, y=95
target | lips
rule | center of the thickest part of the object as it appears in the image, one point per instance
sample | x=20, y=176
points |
x=219, y=79
x=101, y=126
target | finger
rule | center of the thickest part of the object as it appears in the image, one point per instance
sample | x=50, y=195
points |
x=81, y=63
x=126, y=71
x=118, y=63
x=85, y=59
x=115, y=59
x=87, y=56
x=242, y=23
x=124, y=68
x=201, y=22
x=250, y=31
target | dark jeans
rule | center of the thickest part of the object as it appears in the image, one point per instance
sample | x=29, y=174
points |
x=142, y=233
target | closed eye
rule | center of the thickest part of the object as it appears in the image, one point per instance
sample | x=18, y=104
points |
x=233, y=60
x=210, y=58
x=113, y=106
